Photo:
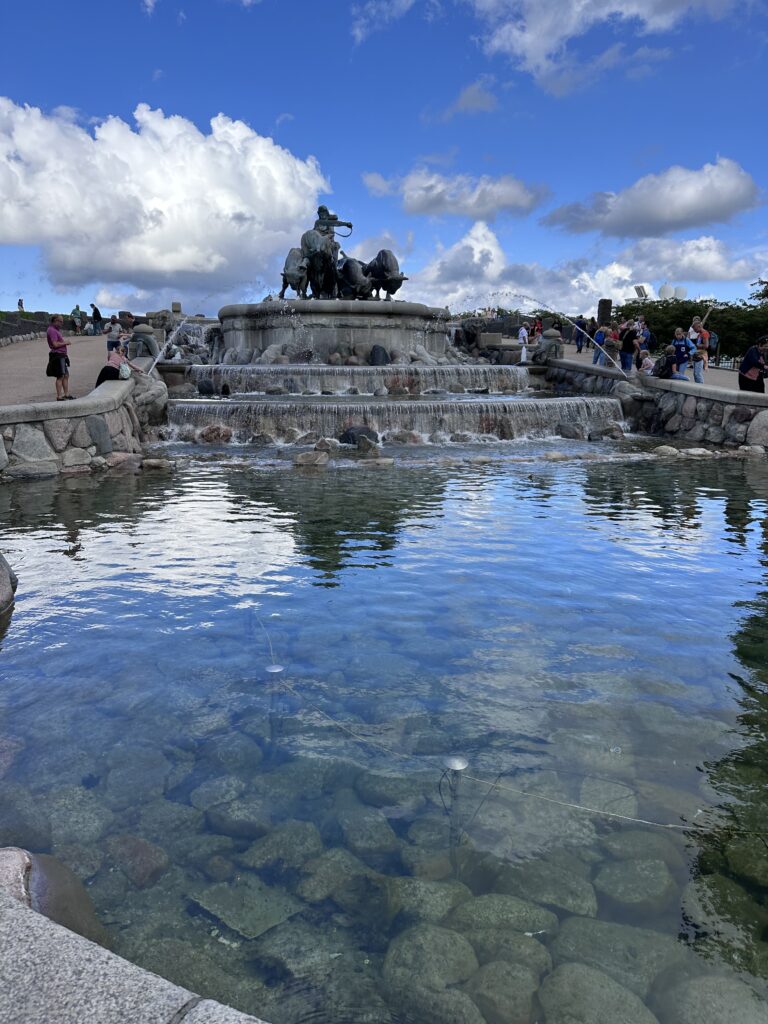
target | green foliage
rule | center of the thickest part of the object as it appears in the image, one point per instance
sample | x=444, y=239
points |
x=737, y=324
x=760, y=294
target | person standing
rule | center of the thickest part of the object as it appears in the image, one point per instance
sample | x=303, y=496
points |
x=683, y=350
x=629, y=346
x=58, y=359
x=581, y=331
x=20, y=305
x=96, y=319
x=77, y=319
x=598, y=356
x=753, y=368
x=522, y=334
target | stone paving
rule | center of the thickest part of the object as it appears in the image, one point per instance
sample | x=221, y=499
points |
x=22, y=369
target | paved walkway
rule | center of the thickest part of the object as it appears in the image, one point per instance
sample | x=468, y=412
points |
x=712, y=377
x=22, y=369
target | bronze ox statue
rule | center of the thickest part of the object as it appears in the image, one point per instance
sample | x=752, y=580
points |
x=315, y=265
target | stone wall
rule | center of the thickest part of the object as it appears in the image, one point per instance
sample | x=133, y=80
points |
x=8, y=583
x=672, y=408
x=90, y=434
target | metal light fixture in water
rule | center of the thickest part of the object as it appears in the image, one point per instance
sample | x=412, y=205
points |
x=274, y=668
x=454, y=766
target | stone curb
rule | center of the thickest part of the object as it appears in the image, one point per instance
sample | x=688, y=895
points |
x=48, y=974
x=731, y=396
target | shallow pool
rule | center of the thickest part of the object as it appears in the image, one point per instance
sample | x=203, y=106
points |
x=227, y=699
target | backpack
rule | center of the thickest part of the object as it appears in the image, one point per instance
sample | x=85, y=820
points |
x=663, y=367
x=713, y=341
x=652, y=341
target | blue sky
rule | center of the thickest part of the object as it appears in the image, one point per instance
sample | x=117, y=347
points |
x=159, y=150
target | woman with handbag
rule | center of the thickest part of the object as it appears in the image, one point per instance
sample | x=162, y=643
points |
x=118, y=367
x=58, y=360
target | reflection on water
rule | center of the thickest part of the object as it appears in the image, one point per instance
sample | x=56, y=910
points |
x=588, y=636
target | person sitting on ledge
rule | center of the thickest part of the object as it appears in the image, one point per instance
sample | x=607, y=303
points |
x=113, y=370
x=753, y=368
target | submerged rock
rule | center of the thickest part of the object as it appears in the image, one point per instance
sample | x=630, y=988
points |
x=543, y=882
x=23, y=822
x=577, y=994
x=286, y=847
x=710, y=1000
x=492, y=944
x=602, y=795
x=367, y=833
x=245, y=818
x=436, y=957
x=140, y=861
x=311, y=458
x=413, y=900
x=496, y=910
x=634, y=957
x=504, y=992
x=634, y=844
x=337, y=875
x=639, y=886
x=247, y=906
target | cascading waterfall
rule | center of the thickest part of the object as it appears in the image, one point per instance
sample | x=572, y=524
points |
x=505, y=419
x=367, y=379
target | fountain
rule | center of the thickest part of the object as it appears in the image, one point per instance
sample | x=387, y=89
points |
x=343, y=358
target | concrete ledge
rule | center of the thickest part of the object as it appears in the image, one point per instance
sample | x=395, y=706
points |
x=341, y=307
x=596, y=371
x=731, y=397
x=48, y=974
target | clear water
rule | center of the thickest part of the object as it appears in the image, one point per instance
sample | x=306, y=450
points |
x=587, y=634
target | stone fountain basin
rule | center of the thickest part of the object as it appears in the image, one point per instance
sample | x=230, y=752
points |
x=324, y=326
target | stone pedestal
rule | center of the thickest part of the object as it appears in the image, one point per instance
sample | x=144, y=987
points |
x=324, y=326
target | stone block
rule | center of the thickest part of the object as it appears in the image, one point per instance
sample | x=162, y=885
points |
x=75, y=457
x=673, y=424
x=30, y=445
x=32, y=470
x=114, y=422
x=99, y=431
x=757, y=432
x=59, y=432
x=81, y=437
x=3, y=457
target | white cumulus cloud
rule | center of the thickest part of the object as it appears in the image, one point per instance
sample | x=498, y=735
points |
x=676, y=199
x=371, y=15
x=693, y=259
x=535, y=34
x=426, y=192
x=152, y=205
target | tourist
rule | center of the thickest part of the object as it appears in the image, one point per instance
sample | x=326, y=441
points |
x=684, y=349
x=643, y=333
x=115, y=333
x=96, y=319
x=598, y=356
x=629, y=346
x=666, y=367
x=693, y=330
x=753, y=368
x=522, y=334
x=77, y=319
x=592, y=328
x=580, y=331
x=113, y=370
x=58, y=359
x=700, y=357
x=645, y=363
x=20, y=305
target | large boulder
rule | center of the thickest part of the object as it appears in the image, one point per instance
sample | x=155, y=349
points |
x=435, y=956
x=711, y=1000
x=504, y=992
x=634, y=957
x=8, y=584
x=577, y=994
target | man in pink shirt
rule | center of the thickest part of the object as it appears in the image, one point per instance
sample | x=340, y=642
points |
x=58, y=360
